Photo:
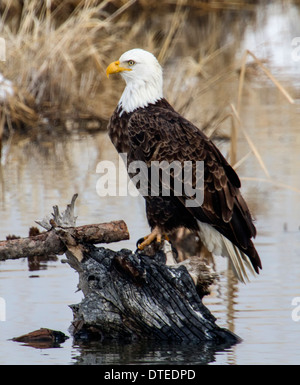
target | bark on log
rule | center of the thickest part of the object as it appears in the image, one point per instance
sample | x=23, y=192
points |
x=42, y=244
x=49, y=242
x=132, y=296
x=127, y=295
x=58, y=225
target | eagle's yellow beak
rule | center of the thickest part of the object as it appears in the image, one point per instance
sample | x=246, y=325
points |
x=114, y=68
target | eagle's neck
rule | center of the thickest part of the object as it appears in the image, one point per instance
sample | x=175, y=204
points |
x=140, y=93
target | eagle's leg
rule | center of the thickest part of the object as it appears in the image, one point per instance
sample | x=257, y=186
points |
x=156, y=234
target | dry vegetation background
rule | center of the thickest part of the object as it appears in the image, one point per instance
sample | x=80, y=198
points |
x=57, y=52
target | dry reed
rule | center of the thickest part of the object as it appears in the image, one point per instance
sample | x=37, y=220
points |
x=57, y=52
x=236, y=121
x=52, y=63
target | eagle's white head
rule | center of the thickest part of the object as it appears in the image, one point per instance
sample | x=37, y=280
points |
x=143, y=76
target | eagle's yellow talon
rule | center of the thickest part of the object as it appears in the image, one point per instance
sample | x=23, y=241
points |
x=156, y=234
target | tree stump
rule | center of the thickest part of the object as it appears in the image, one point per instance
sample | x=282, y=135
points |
x=127, y=295
x=133, y=296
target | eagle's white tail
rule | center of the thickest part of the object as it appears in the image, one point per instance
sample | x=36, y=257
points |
x=239, y=260
x=217, y=244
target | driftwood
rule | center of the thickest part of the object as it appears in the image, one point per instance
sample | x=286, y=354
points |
x=134, y=295
x=42, y=338
x=49, y=242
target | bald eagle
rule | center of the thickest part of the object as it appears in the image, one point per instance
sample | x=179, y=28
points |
x=146, y=127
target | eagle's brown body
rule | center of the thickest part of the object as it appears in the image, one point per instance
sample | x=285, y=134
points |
x=158, y=133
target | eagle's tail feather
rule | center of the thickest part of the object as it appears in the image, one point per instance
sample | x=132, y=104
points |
x=240, y=262
x=218, y=245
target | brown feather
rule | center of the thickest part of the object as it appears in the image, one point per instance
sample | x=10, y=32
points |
x=158, y=133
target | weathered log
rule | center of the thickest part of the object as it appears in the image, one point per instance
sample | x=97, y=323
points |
x=132, y=296
x=128, y=296
x=49, y=242
x=42, y=244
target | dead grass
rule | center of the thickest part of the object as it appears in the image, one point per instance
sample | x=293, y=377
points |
x=57, y=51
x=50, y=65
x=236, y=120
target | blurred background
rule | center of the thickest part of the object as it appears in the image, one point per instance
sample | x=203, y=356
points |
x=233, y=69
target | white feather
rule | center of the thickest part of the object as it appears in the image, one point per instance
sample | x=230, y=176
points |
x=144, y=82
x=219, y=245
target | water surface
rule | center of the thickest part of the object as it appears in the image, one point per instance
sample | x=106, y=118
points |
x=37, y=175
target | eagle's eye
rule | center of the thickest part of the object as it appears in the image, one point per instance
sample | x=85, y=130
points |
x=131, y=63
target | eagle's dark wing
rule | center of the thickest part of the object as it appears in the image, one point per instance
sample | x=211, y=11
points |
x=117, y=130
x=161, y=134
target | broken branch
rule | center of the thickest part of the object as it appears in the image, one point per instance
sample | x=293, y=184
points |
x=49, y=242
